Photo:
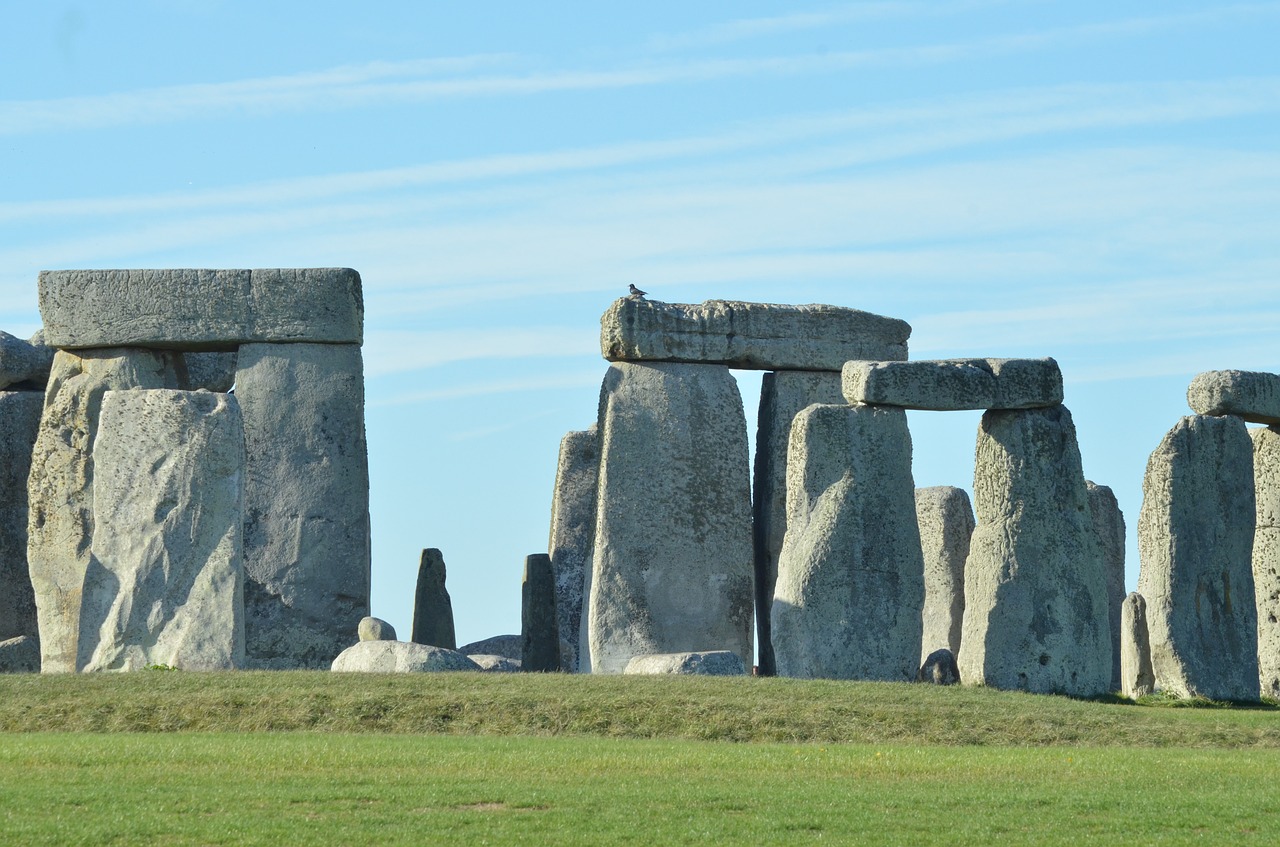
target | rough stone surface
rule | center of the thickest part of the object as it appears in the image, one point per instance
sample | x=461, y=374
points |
x=432, y=607
x=508, y=646
x=1266, y=555
x=400, y=657
x=164, y=583
x=306, y=502
x=376, y=629
x=851, y=575
x=1137, y=678
x=573, y=526
x=945, y=517
x=20, y=655
x=782, y=395
x=671, y=569
x=762, y=336
x=24, y=364
x=1250, y=395
x=1195, y=540
x=60, y=489
x=212, y=371
x=539, y=635
x=1108, y=523
x=189, y=309
x=939, y=668
x=19, y=423
x=712, y=663
x=1035, y=616
x=495, y=664
x=955, y=384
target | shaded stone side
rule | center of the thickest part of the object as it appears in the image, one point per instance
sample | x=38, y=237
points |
x=851, y=574
x=945, y=517
x=672, y=560
x=19, y=424
x=60, y=487
x=573, y=525
x=1035, y=616
x=1195, y=539
x=432, y=606
x=955, y=384
x=1251, y=395
x=1266, y=555
x=306, y=540
x=164, y=583
x=539, y=636
x=1108, y=523
x=782, y=395
x=1137, y=678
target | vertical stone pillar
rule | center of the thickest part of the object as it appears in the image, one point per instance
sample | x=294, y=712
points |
x=432, y=607
x=1266, y=555
x=19, y=423
x=1035, y=616
x=851, y=574
x=1108, y=523
x=782, y=395
x=1195, y=539
x=164, y=583
x=60, y=487
x=306, y=502
x=539, y=635
x=945, y=516
x=1137, y=679
x=573, y=525
x=671, y=570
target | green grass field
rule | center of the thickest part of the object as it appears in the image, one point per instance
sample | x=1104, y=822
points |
x=315, y=758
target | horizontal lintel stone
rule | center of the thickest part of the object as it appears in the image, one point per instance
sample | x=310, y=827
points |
x=194, y=309
x=955, y=384
x=760, y=336
x=1252, y=395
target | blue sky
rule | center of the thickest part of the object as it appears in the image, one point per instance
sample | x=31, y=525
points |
x=1098, y=182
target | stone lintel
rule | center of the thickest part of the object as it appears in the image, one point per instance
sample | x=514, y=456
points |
x=1252, y=395
x=955, y=384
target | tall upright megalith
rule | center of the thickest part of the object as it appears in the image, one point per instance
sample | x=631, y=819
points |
x=573, y=527
x=1266, y=555
x=945, y=516
x=672, y=561
x=1108, y=523
x=432, y=606
x=1195, y=540
x=19, y=424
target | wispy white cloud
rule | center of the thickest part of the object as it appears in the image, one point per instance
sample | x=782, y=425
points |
x=579, y=380
x=388, y=351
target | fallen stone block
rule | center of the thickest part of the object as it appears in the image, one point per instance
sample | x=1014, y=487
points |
x=495, y=664
x=1251, y=395
x=375, y=629
x=20, y=655
x=709, y=663
x=432, y=607
x=939, y=668
x=760, y=336
x=1137, y=678
x=954, y=384
x=399, y=657
x=508, y=646
x=1266, y=555
x=573, y=530
x=945, y=517
x=24, y=364
x=19, y=423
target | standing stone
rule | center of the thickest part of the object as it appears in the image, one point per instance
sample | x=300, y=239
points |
x=19, y=423
x=24, y=363
x=671, y=571
x=1266, y=555
x=1108, y=523
x=539, y=636
x=782, y=395
x=851, y=575
x=211, y=371
x=432, y=608
x=60, y=488
x=1035, y=616
x=573, y=525
x=1137, y=679
x=306, y=502
x=945, y=517
x=164, y=583
x=1195, y=539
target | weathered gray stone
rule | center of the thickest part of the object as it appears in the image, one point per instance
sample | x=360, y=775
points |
x=851, y=575
x=306, y=501
x=19, y=423
x=945, y=518
x=762, y=336
x=495, y=664
x=672, y=560
x=1266, y=555
x=60, y=489
x=710, y=663
x=24, y=363
x=20, y=655
x=399, y=657
x=1108, y=523
x=939, y=668
x=1250, y=395
x=164, y=582
x=539, y=636
x=1035, y=616
x=1195, y=540
x=510, y=646
x=189, y=309
x=376, y=629
x=1137, y=678
x=213, y=371
x=782, y=395
x=955, y=384
x=432, y=607
x=573, y=526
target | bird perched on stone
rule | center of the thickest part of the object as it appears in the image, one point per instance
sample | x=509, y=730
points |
x=635, y=292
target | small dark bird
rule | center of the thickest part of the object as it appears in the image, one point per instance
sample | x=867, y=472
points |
x=635, y=292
